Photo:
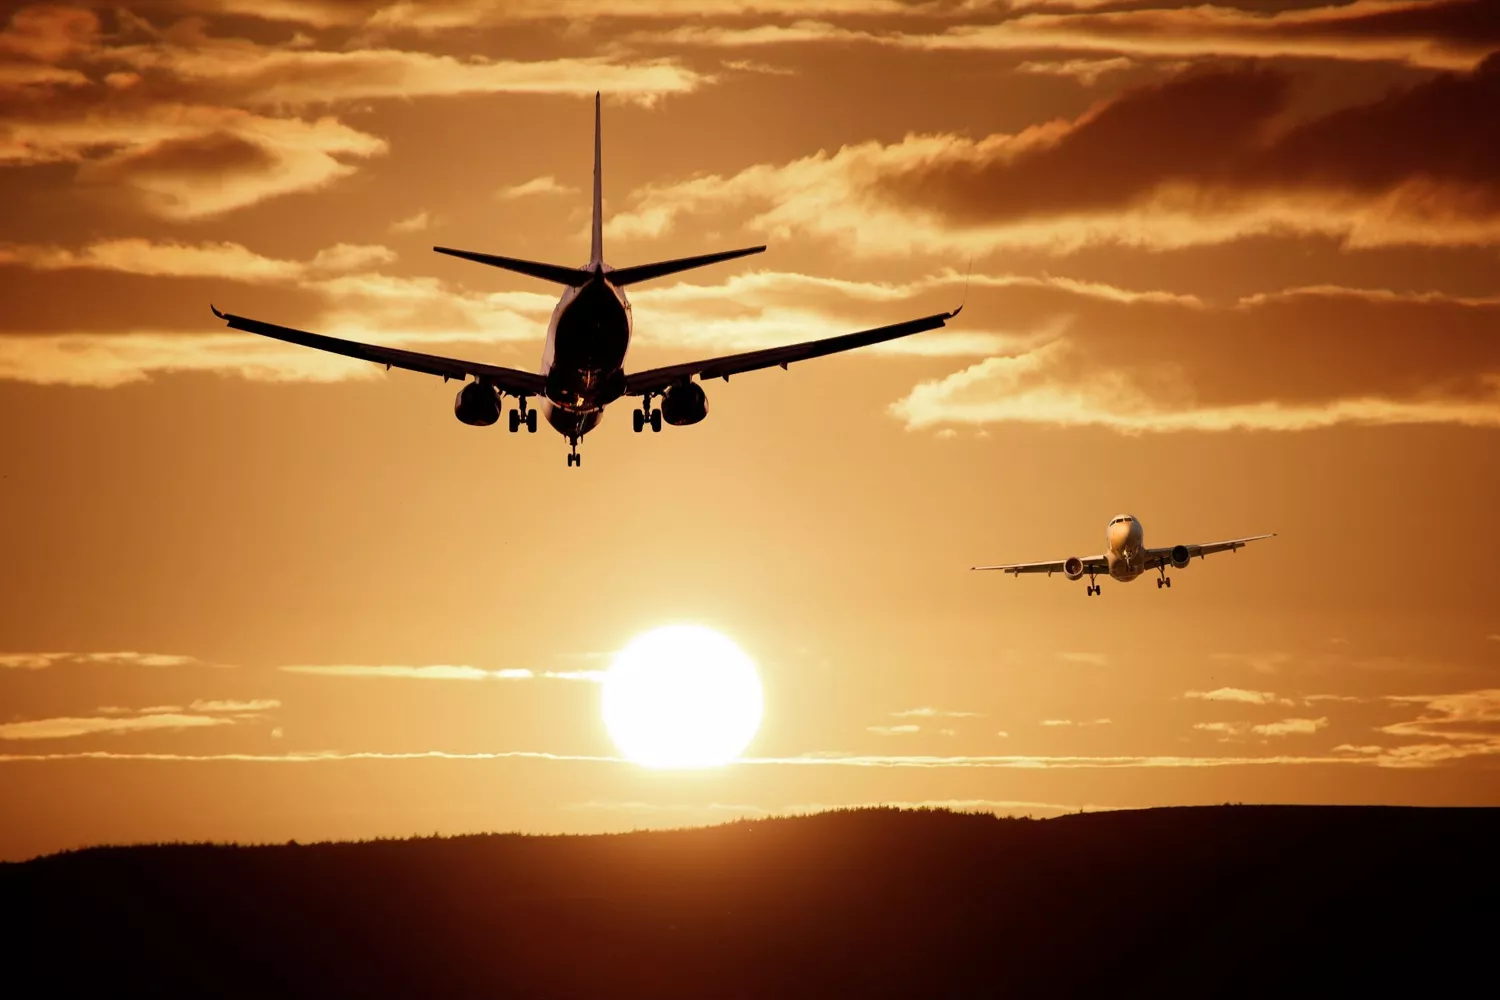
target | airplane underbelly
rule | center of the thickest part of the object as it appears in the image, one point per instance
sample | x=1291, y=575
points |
x=571, y=423
x=588, y=351
x=1125, y=567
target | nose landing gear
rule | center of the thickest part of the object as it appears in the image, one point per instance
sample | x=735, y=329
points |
x=573, y=457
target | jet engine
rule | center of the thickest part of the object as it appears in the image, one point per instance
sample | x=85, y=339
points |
x=683, y=403
x=477, y=405
x=1073, y=568
x=1181, y=556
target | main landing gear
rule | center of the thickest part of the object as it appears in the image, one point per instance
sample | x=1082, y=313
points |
x=573, y=457
x=523, y=415
x=1164, y=580
x=646, y=415
x=1093, y=588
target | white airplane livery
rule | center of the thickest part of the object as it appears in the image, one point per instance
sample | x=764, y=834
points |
x=583, y=363
x=1126, y=556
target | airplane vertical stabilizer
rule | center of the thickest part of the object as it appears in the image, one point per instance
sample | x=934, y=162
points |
x=596, y=250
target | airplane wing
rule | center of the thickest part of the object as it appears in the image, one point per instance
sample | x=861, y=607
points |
x=1156, y=557
x=1091, y=564
x=655, y=379
x=509, y=380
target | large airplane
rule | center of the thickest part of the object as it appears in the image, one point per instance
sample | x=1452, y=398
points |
x=1126, y=556
x=582, y=368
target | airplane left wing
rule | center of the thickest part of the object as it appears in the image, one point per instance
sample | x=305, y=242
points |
x=508, y=380
x=1156, y=557
x=656, y=379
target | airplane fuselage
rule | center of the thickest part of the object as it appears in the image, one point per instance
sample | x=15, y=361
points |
x=1125, y=548
x=583, y=360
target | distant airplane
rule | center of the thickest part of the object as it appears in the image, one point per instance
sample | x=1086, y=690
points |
x=1126, y=556
x=582, y=367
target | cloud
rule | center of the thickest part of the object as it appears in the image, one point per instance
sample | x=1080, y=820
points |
x=839, y=760
x=412, y=223
x=1086, y=71
x=430, y=672
x=1239, y=695
x=1438, y=34
x=1435, y=34
x=63, y=728
x=536, y=186
x=443, y=672
x=234, y=707
x=1090, y=659
x=1206, y=157
x=189, y=125
x=902, y=730
x=1288, y=727
x=1069, y=722
x=927, y=712
x=40, y=661
x=203, y=260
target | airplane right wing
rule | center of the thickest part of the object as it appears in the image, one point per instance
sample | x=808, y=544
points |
x=657, y=379
x=1091, y=564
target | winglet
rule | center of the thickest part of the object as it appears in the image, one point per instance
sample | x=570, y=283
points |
x=216, y=311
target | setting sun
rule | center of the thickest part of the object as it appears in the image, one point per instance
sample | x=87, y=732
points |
x=682, y=696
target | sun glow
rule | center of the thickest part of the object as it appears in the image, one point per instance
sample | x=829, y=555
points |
x=682, y=696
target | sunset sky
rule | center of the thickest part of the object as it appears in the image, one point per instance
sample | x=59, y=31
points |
x=1231, y=269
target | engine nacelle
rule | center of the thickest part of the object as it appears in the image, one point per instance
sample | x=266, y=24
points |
x=684, y=403
x=1073, y=568
x=1181, y=556
x=477, y=404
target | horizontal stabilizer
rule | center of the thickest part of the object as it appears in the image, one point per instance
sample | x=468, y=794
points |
x=645, y=272
x=547, y=272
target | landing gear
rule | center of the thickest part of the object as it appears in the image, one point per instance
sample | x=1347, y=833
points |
x=523, y=415
x=1093, y=588
x=646, y=415
x=1164, y=580
x=573, y=457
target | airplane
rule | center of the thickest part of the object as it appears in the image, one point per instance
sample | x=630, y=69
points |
x=582, y=368
x=1126, y=556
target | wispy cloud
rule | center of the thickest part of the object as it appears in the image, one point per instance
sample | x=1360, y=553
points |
x=1289, y=727
x=428, y=672
x=441, y=672
x=927, y=712
x=902, y=730
x=1090, y=659
x=41, y=661
x=1240, y=695
x=537, y=185
x=62, y=728
x=234, y=707
x=412, y=223
x=1056, y=723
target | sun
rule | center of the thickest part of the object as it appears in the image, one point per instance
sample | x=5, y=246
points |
x=682, y=696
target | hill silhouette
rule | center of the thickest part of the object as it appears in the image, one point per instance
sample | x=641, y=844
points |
x=1217, y=901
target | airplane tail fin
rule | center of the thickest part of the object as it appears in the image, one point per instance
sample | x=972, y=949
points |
x=596, y=247
x=645, y=272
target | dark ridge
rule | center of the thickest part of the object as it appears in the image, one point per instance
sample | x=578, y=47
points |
x=1231, y=900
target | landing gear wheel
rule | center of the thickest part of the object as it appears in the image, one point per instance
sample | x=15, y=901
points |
x=515, y=421
x=1158, y=584
x=1169, y=583
x=575, y=459
x=530, y=421
x=637, y=420
x=655, y=421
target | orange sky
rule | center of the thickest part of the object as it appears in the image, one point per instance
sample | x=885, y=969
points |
x=1234, y=270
